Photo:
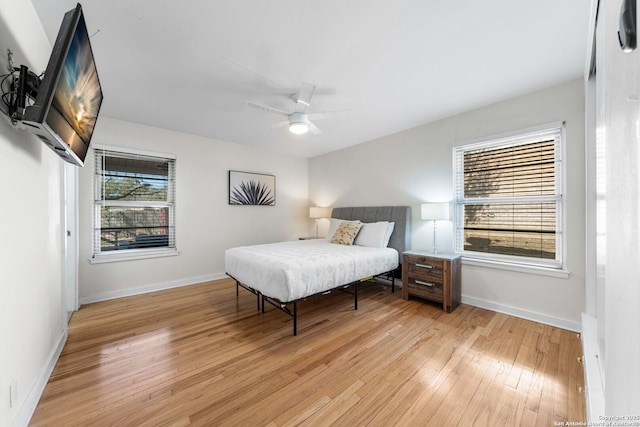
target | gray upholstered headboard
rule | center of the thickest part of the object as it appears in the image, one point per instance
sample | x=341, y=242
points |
x=401, y=215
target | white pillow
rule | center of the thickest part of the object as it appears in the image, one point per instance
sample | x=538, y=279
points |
x=334, y=223
x=387, y=237
x=373, y=234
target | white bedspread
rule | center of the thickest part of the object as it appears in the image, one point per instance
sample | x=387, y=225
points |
x=292, y=270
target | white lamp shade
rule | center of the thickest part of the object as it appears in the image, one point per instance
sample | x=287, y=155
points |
x=318, y=212
x=435, y=211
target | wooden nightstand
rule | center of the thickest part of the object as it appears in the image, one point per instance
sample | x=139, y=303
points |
x=434, y=277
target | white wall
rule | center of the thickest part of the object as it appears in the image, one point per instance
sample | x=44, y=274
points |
x=416, y=165
x=32, y=325
x=206, y=224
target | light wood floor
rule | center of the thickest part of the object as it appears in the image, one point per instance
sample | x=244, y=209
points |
x=198, y=355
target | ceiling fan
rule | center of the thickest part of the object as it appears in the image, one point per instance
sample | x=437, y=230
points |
x=299, y=120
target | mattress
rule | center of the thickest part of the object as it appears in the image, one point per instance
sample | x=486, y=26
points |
x=289, y=271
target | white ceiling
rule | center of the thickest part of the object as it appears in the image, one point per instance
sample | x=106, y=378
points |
x=191, y=65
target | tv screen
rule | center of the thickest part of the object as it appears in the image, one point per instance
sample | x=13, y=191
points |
x=66, y=108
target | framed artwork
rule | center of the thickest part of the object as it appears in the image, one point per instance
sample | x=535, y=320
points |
x=247, y=188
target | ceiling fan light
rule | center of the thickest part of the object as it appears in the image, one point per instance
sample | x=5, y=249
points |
x=298, y=128
x=298, y=123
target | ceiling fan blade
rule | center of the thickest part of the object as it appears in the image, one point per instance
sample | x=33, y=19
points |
x=251, y=70
x=267, y=108
x=314, y=129
x=325, y=91
x=322, y=115
x=280, y=124
x=305, y=94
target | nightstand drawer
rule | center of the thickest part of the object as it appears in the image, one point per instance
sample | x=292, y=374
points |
x=425, y=289
x=429, y=269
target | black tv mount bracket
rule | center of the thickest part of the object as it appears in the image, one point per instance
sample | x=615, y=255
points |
x=25, y=83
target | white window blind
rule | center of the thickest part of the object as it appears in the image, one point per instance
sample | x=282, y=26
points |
x=509, y=196
x=134, y=210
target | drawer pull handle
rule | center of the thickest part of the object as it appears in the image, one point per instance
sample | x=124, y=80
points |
x=420, y=282
x=424, y=265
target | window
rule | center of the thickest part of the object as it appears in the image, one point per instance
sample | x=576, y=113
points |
x=509, y=196
x=134, y=205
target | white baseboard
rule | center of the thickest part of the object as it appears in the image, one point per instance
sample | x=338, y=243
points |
x=524, y=314
x=151, y=288
x=593, y=378
x=31, y=402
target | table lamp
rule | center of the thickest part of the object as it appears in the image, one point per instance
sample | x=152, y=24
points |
x=434, y=212
x=317, y=212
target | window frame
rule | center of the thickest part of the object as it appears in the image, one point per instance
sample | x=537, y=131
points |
x=553, y=267
x=99, y=256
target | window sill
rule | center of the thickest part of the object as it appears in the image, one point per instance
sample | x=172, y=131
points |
x=131, y=254
x=521, y=268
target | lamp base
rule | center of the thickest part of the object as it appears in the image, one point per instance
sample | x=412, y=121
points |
x=435, y=250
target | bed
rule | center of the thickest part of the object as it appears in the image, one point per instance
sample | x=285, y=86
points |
x=285, y=273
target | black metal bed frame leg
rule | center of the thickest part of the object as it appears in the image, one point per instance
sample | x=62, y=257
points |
x=295, y=319
x=393, y=283
x=355, y=296
x=258, y=295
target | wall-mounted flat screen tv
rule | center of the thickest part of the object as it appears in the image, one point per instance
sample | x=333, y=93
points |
x=66, y=108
